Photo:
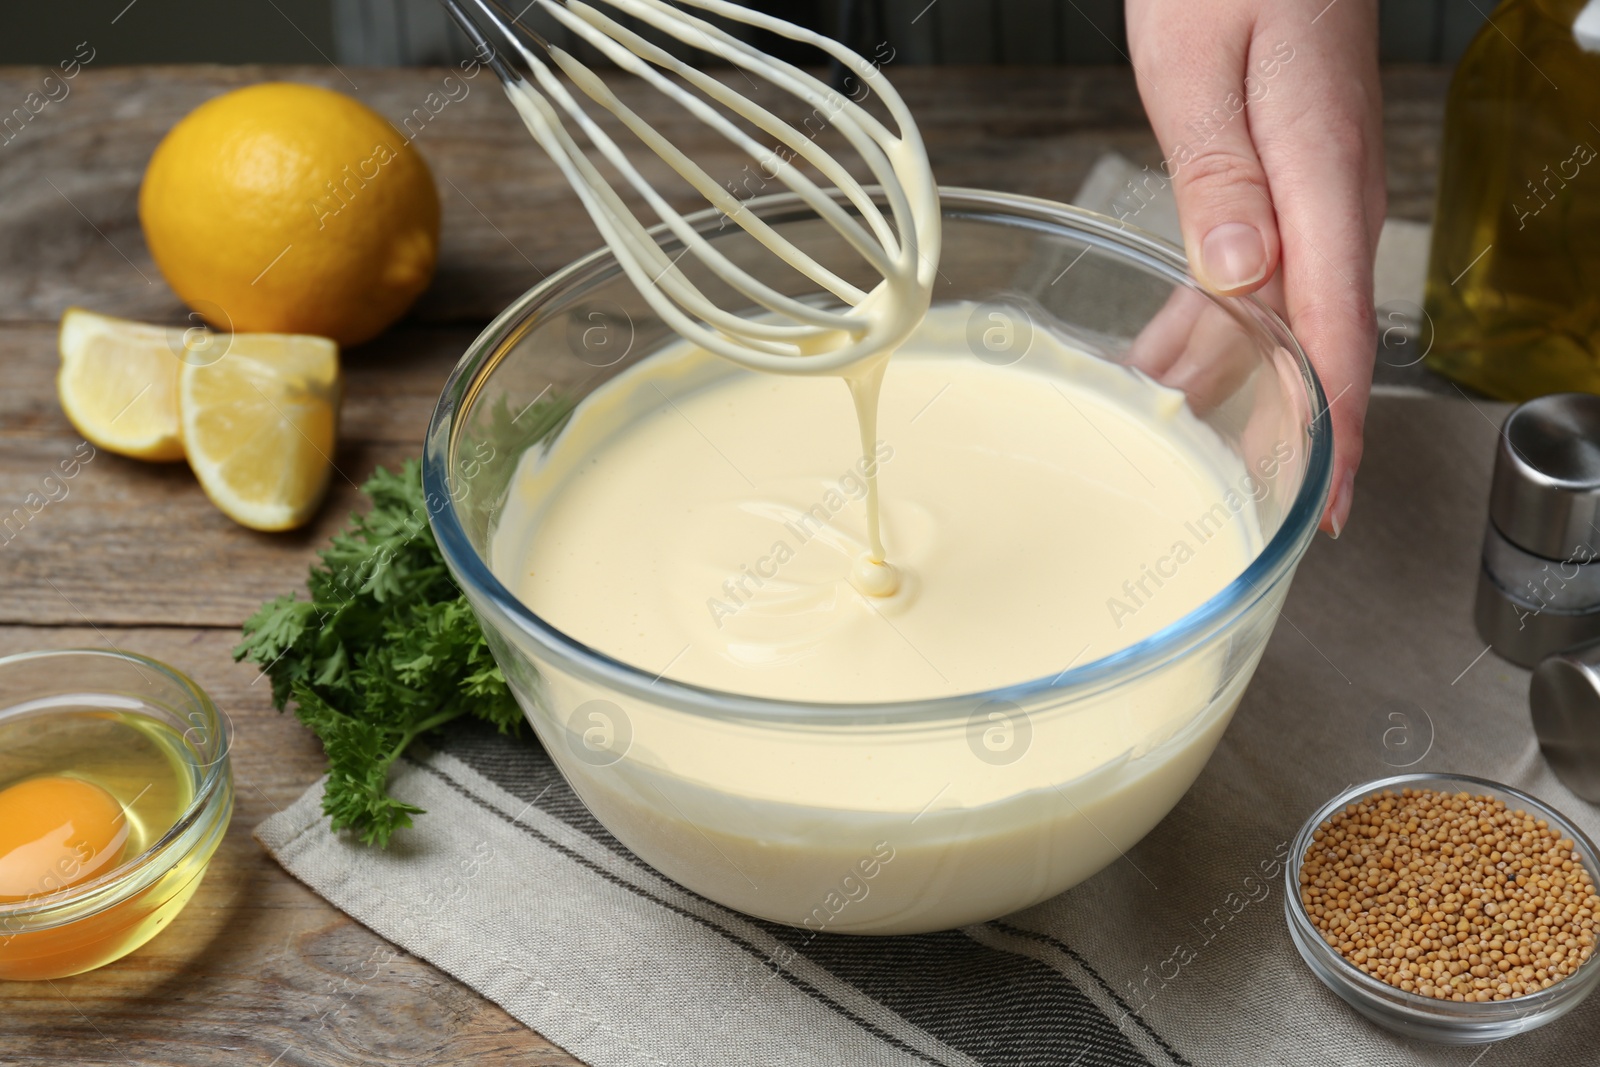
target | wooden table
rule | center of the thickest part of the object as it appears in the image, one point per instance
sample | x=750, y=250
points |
x=258, y=969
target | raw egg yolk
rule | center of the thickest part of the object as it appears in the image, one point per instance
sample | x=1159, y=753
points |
x=56, y=832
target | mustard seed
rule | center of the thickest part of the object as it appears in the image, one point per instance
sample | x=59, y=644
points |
x=1450, y=895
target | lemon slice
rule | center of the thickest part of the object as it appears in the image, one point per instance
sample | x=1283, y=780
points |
x=259, y=424
x=118, y=384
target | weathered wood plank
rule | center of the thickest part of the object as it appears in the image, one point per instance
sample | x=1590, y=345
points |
x=107, y=550
x=1413, y=117
x=126, y=542
x=257, y=967
x=390, y=385
x=69, y=184
x=123, y=542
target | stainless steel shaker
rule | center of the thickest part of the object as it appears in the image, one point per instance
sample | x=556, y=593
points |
x=1539, y=585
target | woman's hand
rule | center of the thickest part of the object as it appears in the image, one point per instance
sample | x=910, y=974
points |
x=1270, y=124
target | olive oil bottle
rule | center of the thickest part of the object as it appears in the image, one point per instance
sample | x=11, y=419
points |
x=1513, y=290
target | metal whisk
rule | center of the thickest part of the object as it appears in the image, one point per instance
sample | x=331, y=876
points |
x=799, y=336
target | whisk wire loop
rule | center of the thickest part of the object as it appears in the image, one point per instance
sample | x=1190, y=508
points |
x=798, y=334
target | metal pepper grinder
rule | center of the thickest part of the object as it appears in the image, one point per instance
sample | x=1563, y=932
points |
x=1539, y=587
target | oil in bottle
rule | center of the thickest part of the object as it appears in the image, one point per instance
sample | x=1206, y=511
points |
x=1513, y=291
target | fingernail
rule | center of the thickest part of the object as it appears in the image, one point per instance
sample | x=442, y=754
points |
x=1339, y=514
x=1233, y=255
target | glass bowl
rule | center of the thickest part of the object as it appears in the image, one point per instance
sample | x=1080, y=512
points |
x=127, y=703
x=1413, y=1015
x=1006, y=808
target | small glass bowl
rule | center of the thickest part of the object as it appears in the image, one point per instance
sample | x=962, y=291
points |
x=1444, y=1022
x=86, y=925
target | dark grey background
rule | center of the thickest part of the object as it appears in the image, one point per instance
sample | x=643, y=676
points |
x=416, y=31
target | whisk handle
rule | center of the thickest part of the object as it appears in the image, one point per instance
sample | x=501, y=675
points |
x=484, y=47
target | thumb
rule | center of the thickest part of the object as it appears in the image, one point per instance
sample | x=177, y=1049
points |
x=1200, y=113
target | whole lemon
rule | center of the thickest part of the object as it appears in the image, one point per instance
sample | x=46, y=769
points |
x=285, y=208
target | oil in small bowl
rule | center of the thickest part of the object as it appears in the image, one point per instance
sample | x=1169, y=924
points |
x=114, y=792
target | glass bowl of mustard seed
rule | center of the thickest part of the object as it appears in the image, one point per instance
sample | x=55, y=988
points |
x=1446, y=908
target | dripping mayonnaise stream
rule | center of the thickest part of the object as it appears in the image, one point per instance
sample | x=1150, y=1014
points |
x=892, y=309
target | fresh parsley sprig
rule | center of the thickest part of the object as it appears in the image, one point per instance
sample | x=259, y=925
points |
x=385, y=650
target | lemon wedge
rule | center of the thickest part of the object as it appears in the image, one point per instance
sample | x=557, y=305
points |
x=118, y=384
x=259, y=422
